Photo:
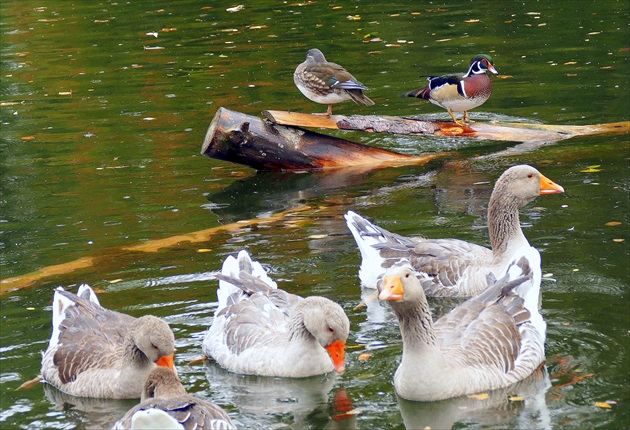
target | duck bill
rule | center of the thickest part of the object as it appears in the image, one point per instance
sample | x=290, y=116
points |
x=492, y=69
x=547, y=186
x=392, y=289
x=167, y=361
x=337, y=353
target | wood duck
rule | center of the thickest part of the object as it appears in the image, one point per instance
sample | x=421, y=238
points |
x=328, y=83
x=460, y=92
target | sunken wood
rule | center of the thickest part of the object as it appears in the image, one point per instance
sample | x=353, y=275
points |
x=244, y=139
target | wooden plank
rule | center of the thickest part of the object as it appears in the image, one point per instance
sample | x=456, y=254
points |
x=515, y=132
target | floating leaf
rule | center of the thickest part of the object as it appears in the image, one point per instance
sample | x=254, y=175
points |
x=235, y=8
x=115, y=281
x=317, y=236
x=603, y=405
x=516, y=399
x=590, y=170
x=481, y=396
x=612, y=223
x=618, y=240
x=27, y=137
x=65, y=93
x=472, y=20
x=202, y=250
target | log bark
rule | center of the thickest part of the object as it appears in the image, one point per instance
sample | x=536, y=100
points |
x=244, y=139
x=514, y=132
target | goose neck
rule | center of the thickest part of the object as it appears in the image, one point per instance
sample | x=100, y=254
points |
x=503, y=223
x=416, y=325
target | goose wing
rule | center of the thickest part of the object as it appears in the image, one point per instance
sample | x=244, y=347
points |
x=90, y=337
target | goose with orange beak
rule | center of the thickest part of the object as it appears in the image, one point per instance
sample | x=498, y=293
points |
x=490, y=341
x=96, y=352
x=259, y=329
x=453, y=267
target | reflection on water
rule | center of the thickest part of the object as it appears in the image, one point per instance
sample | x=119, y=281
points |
x=523, y=405
x=264, y=402
x=91, y=413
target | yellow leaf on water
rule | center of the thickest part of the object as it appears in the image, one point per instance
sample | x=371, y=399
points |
x=318, y=236
x=603, y=405
x=590, y=170
x=516, y=399
x=481, y=396
x=365, y=356
x=618, y=240
x=612, y=223
x=115, y=281
x=204, y=250
x=472, y=20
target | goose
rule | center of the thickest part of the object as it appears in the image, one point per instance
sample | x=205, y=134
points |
x=490, y=341
x=452, y=267
x=96, y=352
x=259, y=329
x=165, y=404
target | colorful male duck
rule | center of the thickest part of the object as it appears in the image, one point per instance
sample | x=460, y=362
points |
x=460, y=92
x=328, y=83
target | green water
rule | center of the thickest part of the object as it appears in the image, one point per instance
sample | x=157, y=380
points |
x=102, y=124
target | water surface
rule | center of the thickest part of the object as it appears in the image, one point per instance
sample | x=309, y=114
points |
x=102, y=123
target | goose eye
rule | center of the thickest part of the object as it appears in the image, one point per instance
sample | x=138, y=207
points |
x=531, y=175
x=407, y=274
x=330, y=329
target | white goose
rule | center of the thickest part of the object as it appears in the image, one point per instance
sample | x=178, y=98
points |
x=165, y=404
x=95, y=352
x=259, y=329
x=452, y=267
x=490, y=341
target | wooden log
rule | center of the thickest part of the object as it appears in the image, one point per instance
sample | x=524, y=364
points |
x=515, y=132
x=244, y=139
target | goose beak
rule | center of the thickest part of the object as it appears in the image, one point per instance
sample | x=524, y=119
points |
x=167, y=361
x=392, y=289
x=547, y=186
x=338, y=355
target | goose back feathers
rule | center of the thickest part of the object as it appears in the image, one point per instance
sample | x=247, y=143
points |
x=166, y=405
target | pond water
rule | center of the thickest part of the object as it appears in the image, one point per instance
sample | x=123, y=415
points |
x=104, y=109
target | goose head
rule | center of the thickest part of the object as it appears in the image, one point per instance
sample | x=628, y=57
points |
x=154, y=338
x=326, y=321
x=162, y=382
x=523, y=184
x=400, y=284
